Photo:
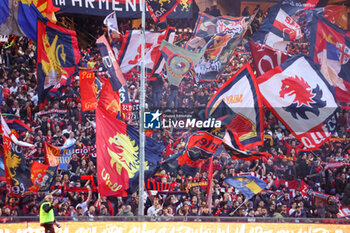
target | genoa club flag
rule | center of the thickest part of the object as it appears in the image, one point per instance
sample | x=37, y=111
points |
x=118, y=155
x=238, y=105
x=266, y=58
x=330, y=47
x=16, y=170
x=42, y=176
x=160, y=9
x=301, y=98
x=58, y=55
x=88, y=90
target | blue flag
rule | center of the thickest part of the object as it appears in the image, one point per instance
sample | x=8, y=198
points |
x=64, y=157
x=246, y=184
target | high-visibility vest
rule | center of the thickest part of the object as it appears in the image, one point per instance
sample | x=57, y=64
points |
x=46, y=217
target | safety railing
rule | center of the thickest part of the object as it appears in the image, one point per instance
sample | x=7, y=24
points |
x=17, y=219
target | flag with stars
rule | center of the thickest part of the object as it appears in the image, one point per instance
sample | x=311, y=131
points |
x=330, y=47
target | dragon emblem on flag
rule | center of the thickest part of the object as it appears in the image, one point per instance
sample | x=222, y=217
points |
x=124, y=154
x=305, y=98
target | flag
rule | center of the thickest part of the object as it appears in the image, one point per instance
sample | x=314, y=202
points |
x=125, y=105
x=238, y=105
x=179, y=61
x=42, y=176
x=2, y=165
x=109, y=100
x=248, y=185
x=130, y=52
x=278, y=29
x=199, y=147
x=19, y=17
x=15, y=124
x=183, y=162
x=51, y=154
x=110, y=63
x=160, y=9
x=88, y=90
x=300, y=97
x=266, y=58
x=112, y=25
x=235, y=154
x=219, y=36
x=58, y=54
x=8, y=133
x=64, y=156
x=118, y=155
x=16, y=169
x=58, y=156
x=330, y=47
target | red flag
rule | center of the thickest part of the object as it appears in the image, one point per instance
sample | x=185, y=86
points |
x=310, y=4
x=42, y=176
x=88, y=90
x=57, y=55
x=51, y=154
x=113, y=179
x=109, y=100
x=266, y=58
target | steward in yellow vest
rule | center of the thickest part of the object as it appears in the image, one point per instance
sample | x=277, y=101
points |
x=47, y=216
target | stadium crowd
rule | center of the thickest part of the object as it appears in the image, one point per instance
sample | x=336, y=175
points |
x=289, y=162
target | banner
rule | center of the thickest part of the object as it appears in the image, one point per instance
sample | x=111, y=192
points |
x=64, y=157
x=238, y=105
x=220, y=35
x=110, y=62
x=123, y=8
x=88, y=90
x=157, y=227
x=301, y=98
x=58, y=55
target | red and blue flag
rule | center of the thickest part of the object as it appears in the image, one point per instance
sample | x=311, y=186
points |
x=330, y=47
x=118, y=155
x=58, y=56
x=238, y=105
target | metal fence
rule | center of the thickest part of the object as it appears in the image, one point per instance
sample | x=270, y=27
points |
x=16, y=219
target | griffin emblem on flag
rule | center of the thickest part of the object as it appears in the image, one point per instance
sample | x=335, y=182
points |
x=117, y=152
x=305, y=100
x=55, y=54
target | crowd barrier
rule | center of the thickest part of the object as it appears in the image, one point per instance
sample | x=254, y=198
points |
x=180, y=225
x=176, y=227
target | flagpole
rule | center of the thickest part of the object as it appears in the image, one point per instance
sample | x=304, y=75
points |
x=142, y=109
